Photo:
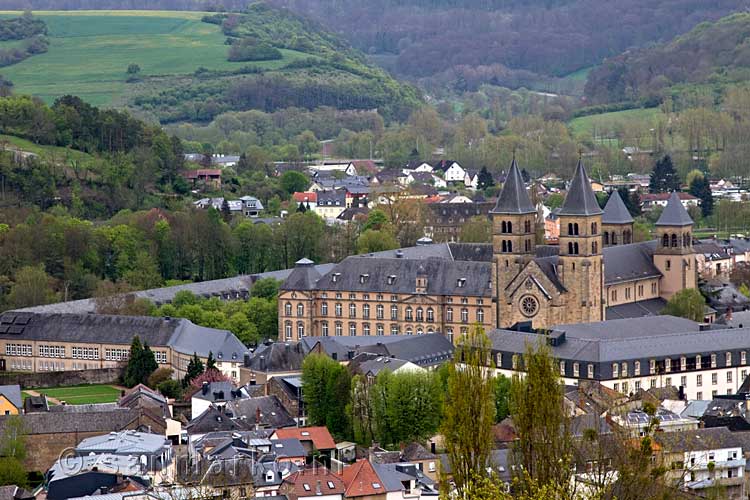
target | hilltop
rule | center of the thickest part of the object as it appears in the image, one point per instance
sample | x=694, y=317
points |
x=182, y=69
x=711, y=55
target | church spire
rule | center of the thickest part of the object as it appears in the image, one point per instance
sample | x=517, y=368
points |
x=674, y=213
x=580, y=199
x=514, y=199
x=615, y=211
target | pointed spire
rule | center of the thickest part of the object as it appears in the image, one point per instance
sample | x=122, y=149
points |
x=615, y=211
x=674, y=213
x=580, y=199
x=514, y=199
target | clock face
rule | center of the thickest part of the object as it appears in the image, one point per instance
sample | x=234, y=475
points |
x=529, y=306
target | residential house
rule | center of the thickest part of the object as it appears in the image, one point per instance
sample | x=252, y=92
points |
x=365, y=168
x=273, y=359
x=11, y=402
x=714, y=260
x=413, y=453
x=261, y=412
x=443, y=221
x=651, y=200
x=703, y=458
x=248, y=206
x=307, y=198
x=215, y=393
x=156, y=412
x=421, y=177
x=471, y=180
x=223, y=161
x=289, y=392
x=204, y=178
x=153, y=451
x=330, y=203
x=370, y=365
x=82, y=476
x=318, y=483
x=312, y=438
x=452, y=171
x=390, y=176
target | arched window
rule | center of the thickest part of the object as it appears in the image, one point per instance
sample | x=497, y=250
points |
x=510, y=227
x=430, y=315
x=352, y=310
x=409, y=331
x=594, y=247
x=300, y=329
x=593, y=227
x=394, y=312
x=420, y=331
x=503, y=227
x=674, y=241
x=614, y=238
x=665, y=240
x=480, y=315
x=606, y=237
x=505, y=246
x=288, y=309
x=527, y=245
x=570, y=248
x=575, y=229
x=339, y=329
x=352, y=329
x=570, y=228
x=575, y=248
x=288, y=329
x=408, y=313
x=449, y=314
x=300, y=310
x=420, y=314
x=324, y=328
x=510, y=247
x=527, y=226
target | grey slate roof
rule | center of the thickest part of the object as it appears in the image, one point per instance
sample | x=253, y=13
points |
x=650, y=307
x=12, y=394
x=472, y=252
x=124, y=443
x=514, y=199
x=615, y=211
x=629, y=262
x=697, y=439
x=70, y=422
x=398, y=276
x=674, y=213
x=303, y=276
x=290, y=447
x=380, y=363
x=272, y=412
x=580, y=199
x=277, y=357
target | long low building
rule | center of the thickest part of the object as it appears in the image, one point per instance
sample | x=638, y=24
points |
x=39, y=342
x=638, y=353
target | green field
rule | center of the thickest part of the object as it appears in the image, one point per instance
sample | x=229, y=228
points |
x=82, y=394
x=586, y=125
x=90, y=51
x=49, y=152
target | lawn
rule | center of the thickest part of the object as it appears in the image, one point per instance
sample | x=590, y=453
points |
x=90, y=51
x=82, y=394
x=586, y=125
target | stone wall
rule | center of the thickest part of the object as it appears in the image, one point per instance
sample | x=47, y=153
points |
x=67, y=378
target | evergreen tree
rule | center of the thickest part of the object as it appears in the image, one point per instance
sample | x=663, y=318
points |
x=525, y=175
x=632, y=201
x=485, y=179
x=243, y=165
x=149, y=363
x=194, y=368
x=134, y=369
x=226, y=214
x=664, y=177
x=301, y=208
x=700, y=187
x=210, y=362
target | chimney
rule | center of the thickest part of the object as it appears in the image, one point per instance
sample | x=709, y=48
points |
x=728, y=314
x=257, y=415
x=263, y=363
x=317, y=488
x=204, y=389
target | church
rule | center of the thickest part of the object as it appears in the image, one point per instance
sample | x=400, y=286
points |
x=595, y=273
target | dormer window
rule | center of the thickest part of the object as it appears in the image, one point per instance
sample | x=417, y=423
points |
x=391, y=279
x=461, y=282
x=335, y=277
x=363, y=278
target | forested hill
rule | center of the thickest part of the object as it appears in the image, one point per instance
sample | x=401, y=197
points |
x=712, y=54
x=504, y=41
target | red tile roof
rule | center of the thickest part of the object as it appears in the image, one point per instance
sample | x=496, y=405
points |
x=203, y=172
x=319, y=436
x=305, y=483
x=301, y=197
x=362, y=480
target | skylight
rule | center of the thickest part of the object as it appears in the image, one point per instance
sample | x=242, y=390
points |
x=376, y=486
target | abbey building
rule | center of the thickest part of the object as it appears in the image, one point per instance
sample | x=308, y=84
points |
x=595, y=273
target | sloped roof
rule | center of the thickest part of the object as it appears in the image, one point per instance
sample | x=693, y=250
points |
x=303, y=277
x=629, y=262
x=277, y=357
x=514, y=199
x=615, y=211
x=362, y=480
x=580, y=199
x=13, y=394
x=272, y=412
x=68, y=422
x=674, y=213
x=319, y=436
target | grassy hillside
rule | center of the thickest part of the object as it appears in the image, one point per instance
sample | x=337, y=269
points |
x=185, y=73
x=711, y=55
x=604, y=124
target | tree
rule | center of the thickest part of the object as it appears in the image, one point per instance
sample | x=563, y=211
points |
x=293, y=181
x=133, y=69
x=226, y=213
x=469, y=409
x=687, y=303
x=13, y=438
x=208, y=376
x=170, y=389
x=12, y=472
x=542, y=453
x=326, y=388
x=485, y=179
x=31, y=287
x=145, y=273
x=664, y=177
x=266, y=288
x=376, y=220
x=141, y=363
x=210, y=361
x=158, y=376
x=373, y=240
x=502, y=397
x=476, y=230
x=700, y=187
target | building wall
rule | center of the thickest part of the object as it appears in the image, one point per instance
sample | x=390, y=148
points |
x=452, y=315
x=631, y=291
x=6, y=407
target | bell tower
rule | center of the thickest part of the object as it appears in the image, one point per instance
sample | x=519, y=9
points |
x=617, y=223
x=675, y=255
x=513, y=235
x=580, y=264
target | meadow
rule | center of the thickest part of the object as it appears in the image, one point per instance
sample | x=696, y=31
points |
x=82, y=394
x=587, y=126
x=90, y=51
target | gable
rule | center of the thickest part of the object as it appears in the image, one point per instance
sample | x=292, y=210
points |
x=531, y=277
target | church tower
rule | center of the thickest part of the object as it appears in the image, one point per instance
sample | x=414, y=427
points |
x=580, y=265
x=674, y=255
x=617, y=223
x=513, y=238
